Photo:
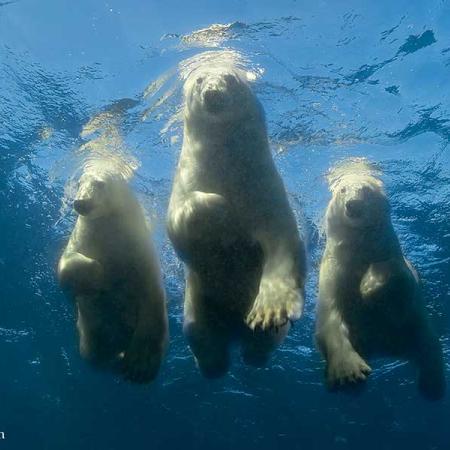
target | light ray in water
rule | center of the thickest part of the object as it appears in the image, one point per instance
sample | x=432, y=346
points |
x=170, y=84
x=220, y=58
x=351, y=166
x=103, y=151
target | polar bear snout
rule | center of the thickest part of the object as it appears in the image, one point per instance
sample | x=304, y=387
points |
x=354, y=208
x=214, y=100
x=83, y=206
x=216, y=94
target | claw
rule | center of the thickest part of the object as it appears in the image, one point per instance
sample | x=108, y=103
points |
x=277, y=315
x=267, y=321
x=253, y=324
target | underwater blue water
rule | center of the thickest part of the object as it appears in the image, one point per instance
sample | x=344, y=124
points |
x=337, y=79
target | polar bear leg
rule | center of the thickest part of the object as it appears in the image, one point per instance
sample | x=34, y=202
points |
x=210, y=346
x=143, y=358
x=430, y=362
x=94, y=346
x=208, y=336
x=100, y=339
x=257, y=345
x=343, y=363
x=280, y=297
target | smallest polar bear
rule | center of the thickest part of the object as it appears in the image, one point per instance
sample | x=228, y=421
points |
x=111, y=270
x=370, y=300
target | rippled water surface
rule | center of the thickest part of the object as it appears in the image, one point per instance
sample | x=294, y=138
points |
x=337, y=80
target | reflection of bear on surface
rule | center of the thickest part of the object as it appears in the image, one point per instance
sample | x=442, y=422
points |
x=111, y=270
x=370, y=299
x=230, y=222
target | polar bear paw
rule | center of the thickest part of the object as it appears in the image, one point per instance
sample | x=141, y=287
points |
x=202, y=214
x=279, y=301
x=373, y=281
x=346, y=369
x=80, y=273
x=141, y=362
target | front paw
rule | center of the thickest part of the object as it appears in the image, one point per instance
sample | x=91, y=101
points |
x=346, y=369
x=80, y=273
x=200, y=217
x=207, y=214
x=142, y=360
x=372, y=282
x=279, y=301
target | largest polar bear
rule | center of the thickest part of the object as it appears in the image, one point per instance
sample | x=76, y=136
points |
x=111, y=270
x=370, y=299
x=230, y=222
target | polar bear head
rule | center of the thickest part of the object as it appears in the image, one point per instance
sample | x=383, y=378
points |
x=217, y=94
x=358, y=201
x=100, y=194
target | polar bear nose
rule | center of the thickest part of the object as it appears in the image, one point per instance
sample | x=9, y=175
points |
x=354, y=208
x=83, y=206
x=214, y=100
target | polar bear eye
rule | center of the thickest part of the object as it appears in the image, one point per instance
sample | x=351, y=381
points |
x=199, y=80
x=99, y=184
x=343, y=190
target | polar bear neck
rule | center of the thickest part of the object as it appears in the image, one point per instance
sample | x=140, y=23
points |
x=375, y=243
x=241, y=136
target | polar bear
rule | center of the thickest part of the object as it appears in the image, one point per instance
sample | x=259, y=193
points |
x=230, y=222
x=370, y=300
x=111, y=270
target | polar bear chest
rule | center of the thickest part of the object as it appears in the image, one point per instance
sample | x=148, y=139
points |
x=116, y=247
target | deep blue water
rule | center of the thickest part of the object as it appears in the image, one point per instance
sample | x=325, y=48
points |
x=337, y=79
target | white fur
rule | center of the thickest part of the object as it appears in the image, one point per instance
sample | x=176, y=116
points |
x=111, y=270
x=370, y=300
x=227, y=188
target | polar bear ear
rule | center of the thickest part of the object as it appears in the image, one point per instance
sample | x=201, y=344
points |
x=335, y=175
x=334, y=179
x=99, y=184
x=377, y=183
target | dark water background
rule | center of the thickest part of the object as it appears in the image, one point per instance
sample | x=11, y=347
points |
x=337, y=79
